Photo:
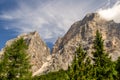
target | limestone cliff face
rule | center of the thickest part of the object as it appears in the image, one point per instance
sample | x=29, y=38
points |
x=83, y=33
x=37, y=49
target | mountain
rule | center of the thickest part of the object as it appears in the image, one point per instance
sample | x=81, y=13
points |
x=37, y=49
x=81, y=33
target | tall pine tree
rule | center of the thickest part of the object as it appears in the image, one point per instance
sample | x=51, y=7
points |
x=104, y=68
x=15, y=63
x=81, y=68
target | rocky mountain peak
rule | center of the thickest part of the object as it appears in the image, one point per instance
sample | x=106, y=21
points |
x=37, y=49
x=93, y=17
x=30, y=35
x=83, y=33
x=35, y=33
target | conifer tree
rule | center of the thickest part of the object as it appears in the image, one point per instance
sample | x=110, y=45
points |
x=15, y=63
x=118, y=67
x=80, y=69
x=104, y=68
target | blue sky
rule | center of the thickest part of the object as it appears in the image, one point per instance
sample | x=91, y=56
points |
x=51, y=18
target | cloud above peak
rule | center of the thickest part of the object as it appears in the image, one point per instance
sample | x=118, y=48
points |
x=111, y=13
x=51, y=18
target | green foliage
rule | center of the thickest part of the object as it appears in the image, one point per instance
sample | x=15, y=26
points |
x=80, y=67
x=15, y=63
x=118, y=67
x=59, y=75
x=104, y=68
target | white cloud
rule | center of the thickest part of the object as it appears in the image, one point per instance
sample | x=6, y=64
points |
x=7, y=17
x=111, y=13
x=51, y=18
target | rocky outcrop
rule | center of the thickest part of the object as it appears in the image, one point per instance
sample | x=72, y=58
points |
x=37, y=49
x=83, y=33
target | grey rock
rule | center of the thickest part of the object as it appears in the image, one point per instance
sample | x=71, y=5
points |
x=83, y=33
x=37, y=49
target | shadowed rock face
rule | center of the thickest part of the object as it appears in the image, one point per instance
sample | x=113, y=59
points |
x=83, y=32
